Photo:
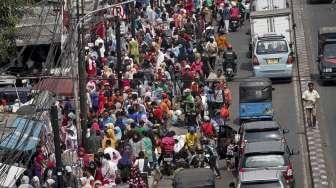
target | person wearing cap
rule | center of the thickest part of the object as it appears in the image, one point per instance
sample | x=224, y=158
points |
x=69, y=179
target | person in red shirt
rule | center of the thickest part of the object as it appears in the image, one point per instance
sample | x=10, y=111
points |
x=207, y=128
x=157, y=112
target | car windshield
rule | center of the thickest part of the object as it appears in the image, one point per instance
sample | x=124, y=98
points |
x=329, y=50
x=275, y=184
x=263, y=161
x=256, y=94
x=272, y=47
x=262, y=136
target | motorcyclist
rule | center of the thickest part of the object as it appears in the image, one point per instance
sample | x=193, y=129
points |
x=189, y=106
x=207, y=128
x=234, y=12
x=167, y=144
x=230, y=56
x=211, y=151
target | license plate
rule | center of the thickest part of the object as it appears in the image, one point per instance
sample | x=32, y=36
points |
x=272, y=61
x=167, y=159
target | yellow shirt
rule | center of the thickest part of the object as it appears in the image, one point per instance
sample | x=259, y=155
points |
x=191, y=140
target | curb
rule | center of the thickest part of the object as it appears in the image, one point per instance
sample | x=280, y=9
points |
x=313, y=136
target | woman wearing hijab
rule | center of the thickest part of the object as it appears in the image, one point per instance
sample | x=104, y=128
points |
x=148, y=147
x=109, y=136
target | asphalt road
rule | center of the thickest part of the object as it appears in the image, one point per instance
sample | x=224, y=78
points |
x=316, y=16
x=284, y=101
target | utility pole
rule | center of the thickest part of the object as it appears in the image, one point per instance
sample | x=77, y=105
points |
x=118, y=46
x=82, y=78
x=81, y=109
x=57, y=143
x=133, y=17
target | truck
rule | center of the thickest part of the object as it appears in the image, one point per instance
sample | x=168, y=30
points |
x=277, y=21
x=326, y=59
x=262, y=5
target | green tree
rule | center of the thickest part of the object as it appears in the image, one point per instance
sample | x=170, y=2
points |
x=10, y=13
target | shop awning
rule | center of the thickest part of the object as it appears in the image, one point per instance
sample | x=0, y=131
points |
x=13, y=173
x=59, y=86
x=25, y=135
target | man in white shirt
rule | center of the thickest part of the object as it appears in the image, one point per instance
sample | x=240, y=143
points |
x=310, y=98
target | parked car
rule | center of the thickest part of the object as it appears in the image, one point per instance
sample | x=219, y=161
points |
x=260, y=131
x=270, y=155
x=327, y=53
x=262, y=179
x=272, y=57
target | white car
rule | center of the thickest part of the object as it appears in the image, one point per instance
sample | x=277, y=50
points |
x=272, y=57
x=261, y=179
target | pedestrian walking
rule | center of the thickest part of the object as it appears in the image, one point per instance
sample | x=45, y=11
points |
x=226, y=17
x=310, y=98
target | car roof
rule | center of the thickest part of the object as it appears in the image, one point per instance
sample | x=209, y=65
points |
x=260, y=175
x=261, y=125
x=255, y=82
x=324, y=30
x=264, y=147
x=271, y=36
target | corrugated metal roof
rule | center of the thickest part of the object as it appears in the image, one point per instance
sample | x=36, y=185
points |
x=25, y=137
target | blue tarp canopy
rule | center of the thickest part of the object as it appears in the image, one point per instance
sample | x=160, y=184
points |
x=25, y=135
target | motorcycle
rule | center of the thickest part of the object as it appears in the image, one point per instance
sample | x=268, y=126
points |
x=199, y=159
x=168, y=164
x=234, y=24
x=229, y=69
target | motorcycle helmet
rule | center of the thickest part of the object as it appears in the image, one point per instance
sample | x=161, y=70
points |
x=192, y=129
x=206, y=118
x=204, y=141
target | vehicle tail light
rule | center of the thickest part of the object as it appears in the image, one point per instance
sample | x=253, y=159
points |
x=255, y=61
x=288, y=174
x=290, y=59
x=241, y=170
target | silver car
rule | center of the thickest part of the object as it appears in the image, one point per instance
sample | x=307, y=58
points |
x=272, y=57
x=261, y=179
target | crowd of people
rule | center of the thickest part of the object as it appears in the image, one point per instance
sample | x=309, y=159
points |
x=170, y=77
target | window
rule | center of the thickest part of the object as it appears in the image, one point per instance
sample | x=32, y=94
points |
x=272, y=47
x=262, y=135
x=262, y=161
x=274, y=184
x=255, y=94
x=330, y=50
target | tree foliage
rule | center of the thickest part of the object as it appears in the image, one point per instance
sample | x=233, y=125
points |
x=10, y=13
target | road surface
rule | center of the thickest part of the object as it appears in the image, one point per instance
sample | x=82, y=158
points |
x=284, y=102
x=316, y=16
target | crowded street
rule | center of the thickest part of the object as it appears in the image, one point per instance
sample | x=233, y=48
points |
x=161, y=94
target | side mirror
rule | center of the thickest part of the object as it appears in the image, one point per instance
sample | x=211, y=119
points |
x=319, y=58
x=285, y=131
